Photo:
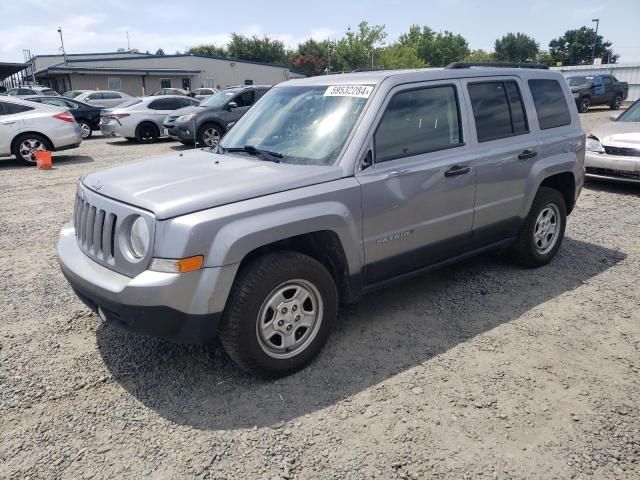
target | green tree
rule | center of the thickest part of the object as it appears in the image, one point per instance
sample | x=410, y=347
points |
x=209, y=50
x=479, y=55
x=160, y=52
x=516, y=47
x=436, y=49
x=259, y=49
x=353, y=51
x=545, y=57
x=398, y=56
x=575, y=47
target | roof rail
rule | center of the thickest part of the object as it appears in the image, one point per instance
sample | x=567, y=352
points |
x=457, y=65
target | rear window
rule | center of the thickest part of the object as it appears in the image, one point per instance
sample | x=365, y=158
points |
x=130, y=103
x=7, y=108
x=551, y=104
x=110, y=95
x=498, y=110
x=50, y=92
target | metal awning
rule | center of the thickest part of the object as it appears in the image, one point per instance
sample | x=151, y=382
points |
x=7, y=69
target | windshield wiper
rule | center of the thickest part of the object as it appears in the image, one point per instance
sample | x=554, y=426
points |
x=263, y=154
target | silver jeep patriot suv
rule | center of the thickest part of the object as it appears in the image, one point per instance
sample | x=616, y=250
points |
x=326, y=189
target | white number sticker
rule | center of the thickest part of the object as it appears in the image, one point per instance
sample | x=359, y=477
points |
x=361, y=91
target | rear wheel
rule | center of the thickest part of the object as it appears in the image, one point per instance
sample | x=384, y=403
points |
x=584, y=104
x=279, y=315
x=25, y=147
x=543, y=229
x=617, y=102
x=147, y=133
x=85, y=129
x=209, y=135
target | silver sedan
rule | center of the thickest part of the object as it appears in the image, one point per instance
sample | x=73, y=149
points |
x=141, y=118
x=613, y=149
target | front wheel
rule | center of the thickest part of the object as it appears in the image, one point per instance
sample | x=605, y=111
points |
x=584, y=104
x=543, y=229
x=617, y=102
x=209, y=135
x=280, y=314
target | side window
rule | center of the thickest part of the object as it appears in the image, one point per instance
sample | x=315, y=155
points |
x=11, y=108
x=245, y=99
x=550, y=102
x=95, y=96
x=607, y=81
x=111, y=96
x=71, y=104
x=50, y=92
x=27, y=91
x=498, y=110
x=56, y=102
x=164, y=104
x=418, y=121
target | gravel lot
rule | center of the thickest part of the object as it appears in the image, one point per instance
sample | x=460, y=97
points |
x=480, y=370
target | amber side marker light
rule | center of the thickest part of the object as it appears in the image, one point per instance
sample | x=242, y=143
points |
x=182, y=265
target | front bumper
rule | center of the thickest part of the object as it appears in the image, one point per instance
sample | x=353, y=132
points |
x=612, y=167
x=181, y=131
x=174, y=306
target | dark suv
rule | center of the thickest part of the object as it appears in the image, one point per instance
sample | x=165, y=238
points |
x=213, y=117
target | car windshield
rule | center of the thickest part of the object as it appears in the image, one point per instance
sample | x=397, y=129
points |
x=305, y=124
x=577, y=81
x=632, y=114
x=218, y=99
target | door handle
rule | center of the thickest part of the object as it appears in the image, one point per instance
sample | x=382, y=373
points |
x=527, y=154
x=7, y=123
x=456, y=171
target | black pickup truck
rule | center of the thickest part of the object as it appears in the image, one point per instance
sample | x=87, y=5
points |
x=602, y=89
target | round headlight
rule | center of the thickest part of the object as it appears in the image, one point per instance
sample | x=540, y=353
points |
x=139, y=237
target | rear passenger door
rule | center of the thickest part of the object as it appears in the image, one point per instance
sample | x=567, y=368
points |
x=505, y=149
x=418, y=193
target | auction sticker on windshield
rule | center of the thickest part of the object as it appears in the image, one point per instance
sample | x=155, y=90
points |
x=361, y=91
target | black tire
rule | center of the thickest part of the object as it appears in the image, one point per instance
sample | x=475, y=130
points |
x=147, y=133
x=38, y=142
x=583, y=104
x=203, y=134
x=254, y=286
x=617, y=102
x=86, y=128
x=527, y=249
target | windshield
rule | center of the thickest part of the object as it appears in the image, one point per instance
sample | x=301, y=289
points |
x=305, y=124
x=632, y=114
x=218, y=99
x=577, y=81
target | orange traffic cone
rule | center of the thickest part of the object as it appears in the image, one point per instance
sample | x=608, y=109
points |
x=43, y=160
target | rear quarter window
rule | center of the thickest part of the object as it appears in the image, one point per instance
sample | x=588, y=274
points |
x=551, y=104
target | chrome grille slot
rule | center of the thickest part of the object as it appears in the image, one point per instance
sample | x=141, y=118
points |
x=100, y=223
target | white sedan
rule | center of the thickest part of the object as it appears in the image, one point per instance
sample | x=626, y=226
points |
x=27, y=127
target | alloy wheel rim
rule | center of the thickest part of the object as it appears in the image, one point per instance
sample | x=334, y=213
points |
x=585, y=105
x=85, y=130
x=29, y=147
x=289, y=319
x=211, y=137
x=547, y=229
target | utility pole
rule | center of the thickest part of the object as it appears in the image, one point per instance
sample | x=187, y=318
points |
x=128, y=45
x=64, y=53
x=595, y=40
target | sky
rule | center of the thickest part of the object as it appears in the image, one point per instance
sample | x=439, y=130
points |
x=176, y=25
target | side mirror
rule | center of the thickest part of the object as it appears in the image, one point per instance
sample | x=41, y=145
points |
x=232, y=105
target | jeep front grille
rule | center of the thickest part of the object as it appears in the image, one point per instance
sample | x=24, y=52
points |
x=622, y=151
x=95, y=229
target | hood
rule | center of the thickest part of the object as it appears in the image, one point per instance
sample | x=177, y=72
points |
x=185, y=110
x=181, y=183
x=618, y=134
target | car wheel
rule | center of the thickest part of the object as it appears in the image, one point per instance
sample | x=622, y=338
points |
x=584, y=104
x=617, y=102
x=147, y=133
x=25, y=147
x=279, y=315
x=209, y=135
x=543, y=229
x=85, y=129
